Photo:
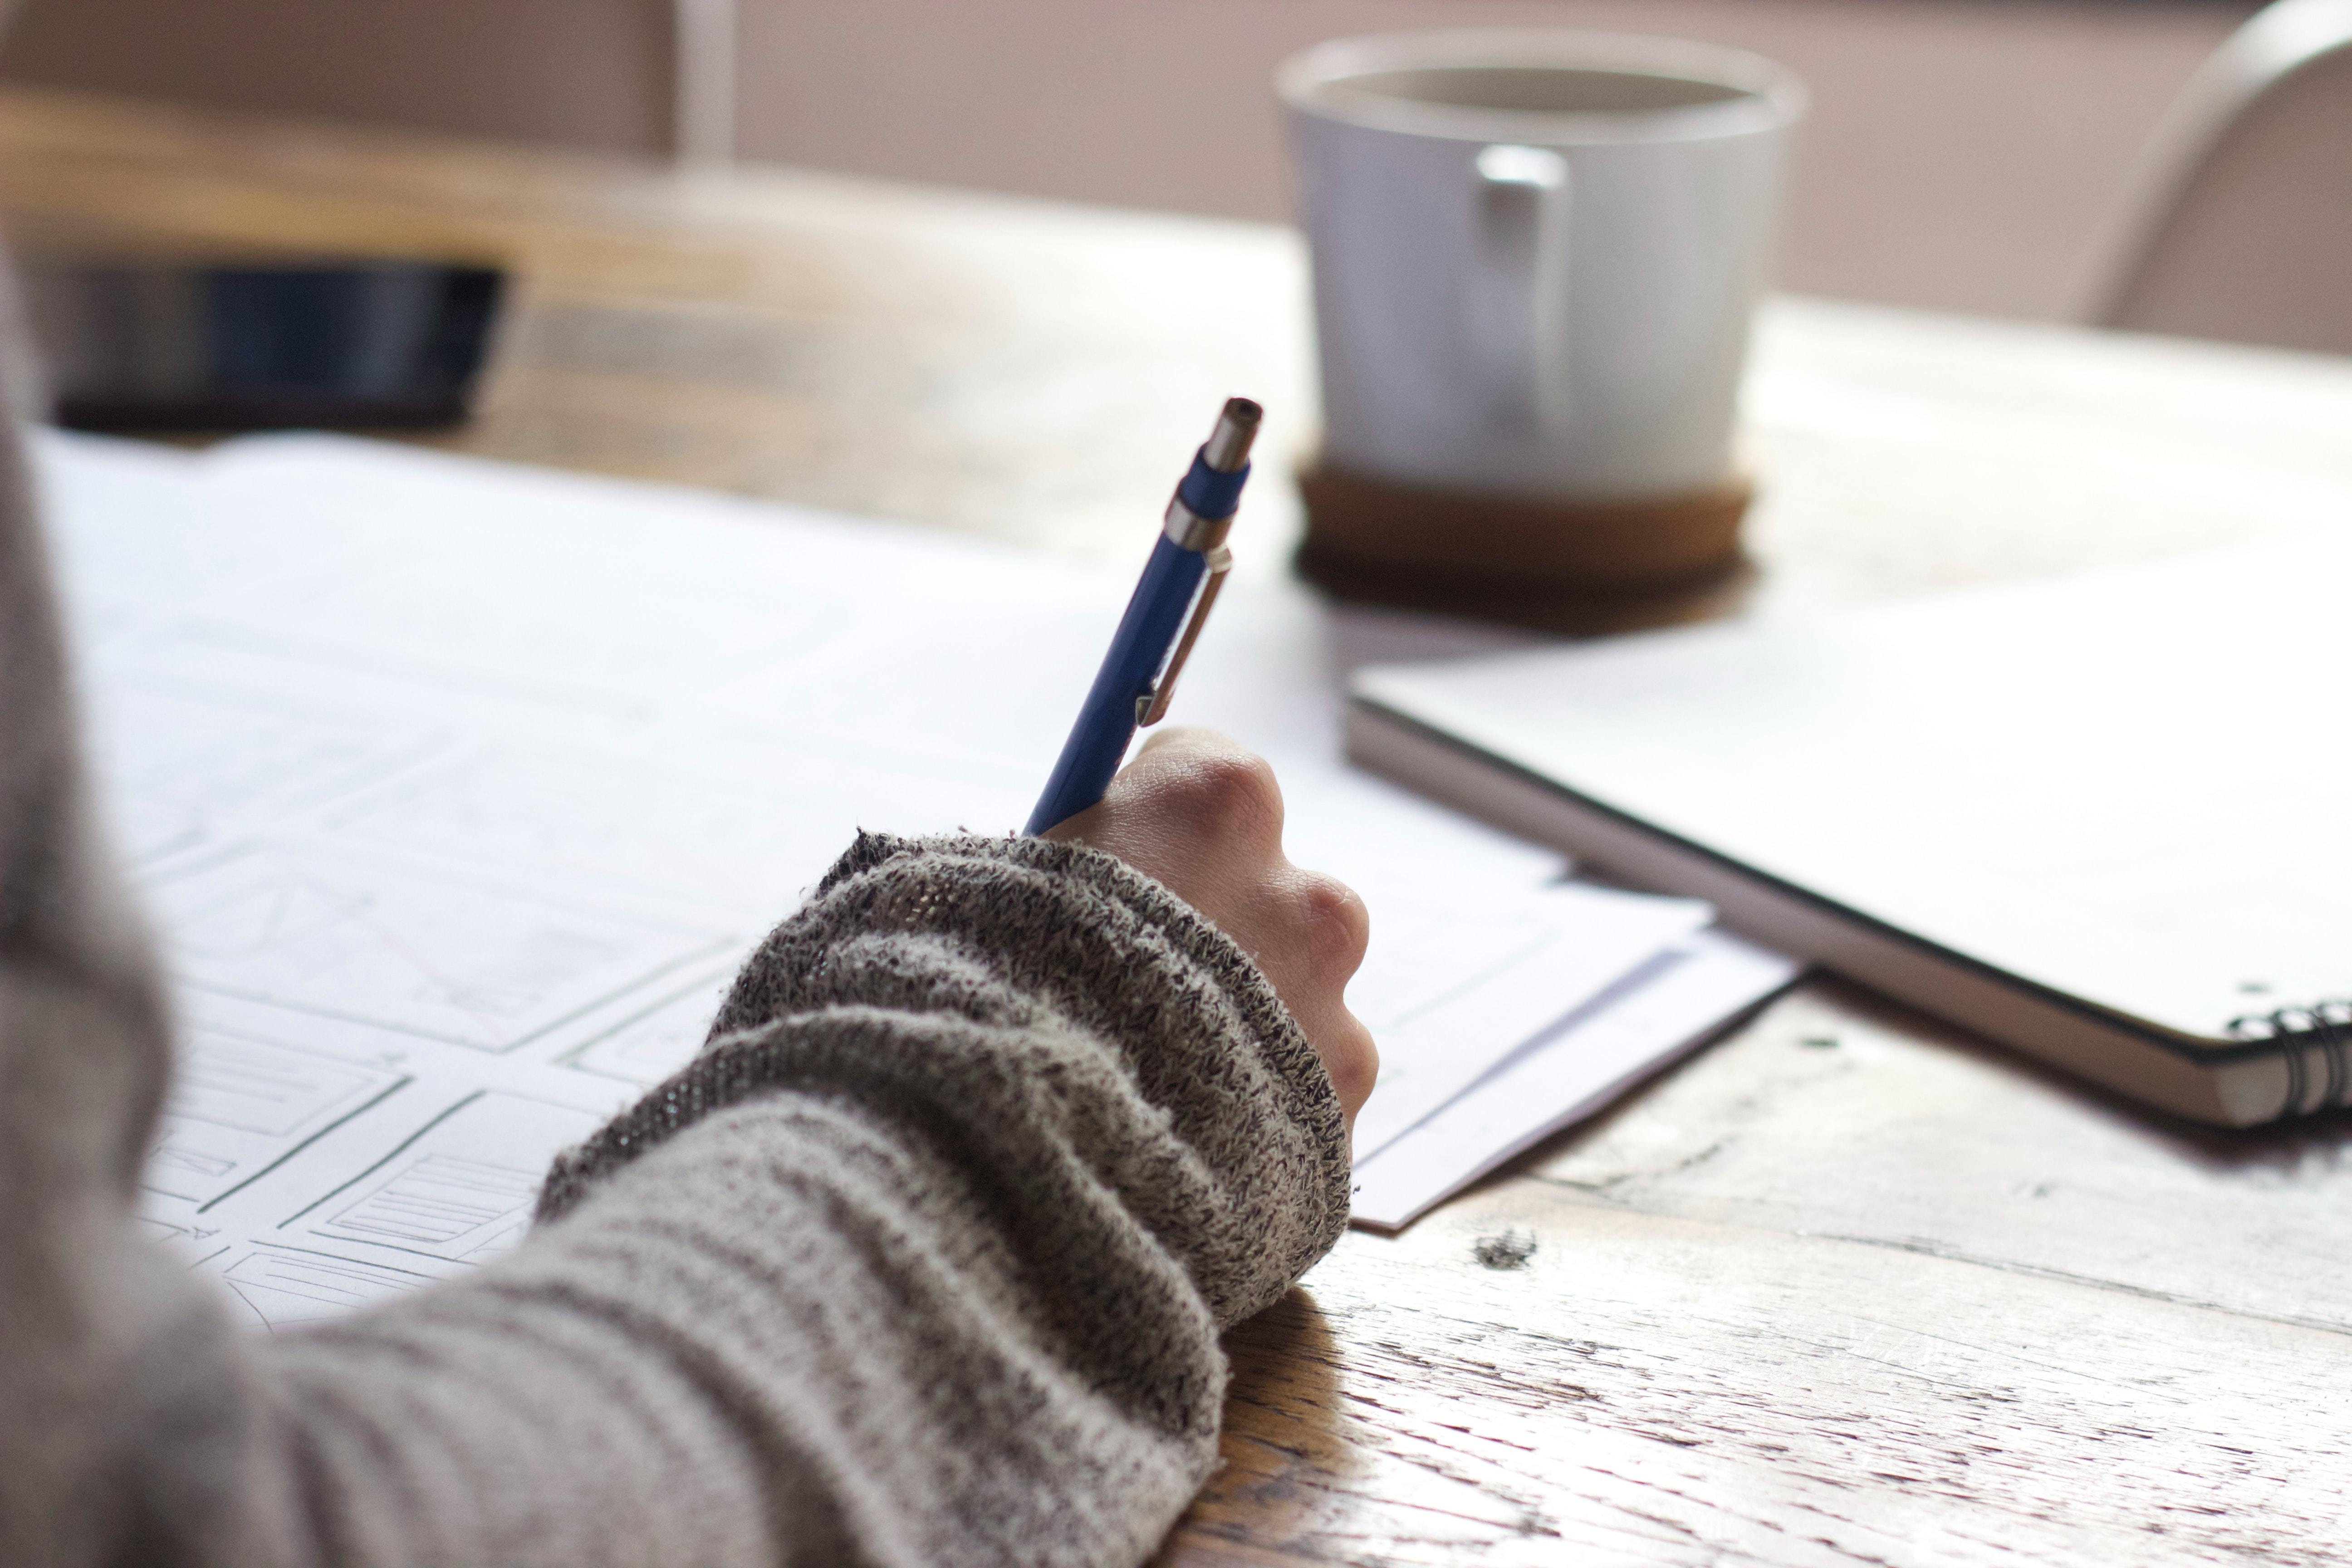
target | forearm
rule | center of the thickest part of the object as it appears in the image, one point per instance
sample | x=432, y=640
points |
x=923, y=1262
x=784, y=1338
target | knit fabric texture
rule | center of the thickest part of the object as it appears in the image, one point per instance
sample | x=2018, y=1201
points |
x=1080, y=986
x=922, y=1260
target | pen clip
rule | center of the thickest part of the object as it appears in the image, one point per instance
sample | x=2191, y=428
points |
x=1152, y=706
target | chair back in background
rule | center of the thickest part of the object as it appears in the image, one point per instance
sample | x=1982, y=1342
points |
x=2240, y=226
x=651, y=77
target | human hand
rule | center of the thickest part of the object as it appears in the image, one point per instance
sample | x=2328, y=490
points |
x=1204, y=817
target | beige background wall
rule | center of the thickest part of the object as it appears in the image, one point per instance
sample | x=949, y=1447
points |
x=1964, y=154
x=591, y=73
x=1961, y=153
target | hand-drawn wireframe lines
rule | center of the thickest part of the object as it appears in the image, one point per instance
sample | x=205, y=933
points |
x=996, y=694
x=709, y=835
x=459, y=1191
x=194, y=1242
x=400, y=568
x=441, y=1201
x=744, y=830
x=472, y=965
x=282, y=1286
x=240, y=1108
x=178, y=768
x=650, y=1045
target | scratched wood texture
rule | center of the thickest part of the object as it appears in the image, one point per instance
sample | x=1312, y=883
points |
x=1848, y=1288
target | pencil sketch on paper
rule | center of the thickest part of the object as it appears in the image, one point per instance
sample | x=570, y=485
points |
x=459, y=1191
x=648, y=1047
x=469, y=965
x=450, y=866
x=179, y=768
x=438, y=1203
x=240, y=1106
x=194, y=1242
x=284, y=1286
x=709, y=835
x=994, y=697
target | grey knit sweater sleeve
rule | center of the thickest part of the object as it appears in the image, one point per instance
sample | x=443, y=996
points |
x=922, y=1261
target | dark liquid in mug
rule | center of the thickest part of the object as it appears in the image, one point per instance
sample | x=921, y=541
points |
x=1543, y=89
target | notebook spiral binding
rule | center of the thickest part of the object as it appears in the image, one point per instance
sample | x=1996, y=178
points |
x=2323, y=1029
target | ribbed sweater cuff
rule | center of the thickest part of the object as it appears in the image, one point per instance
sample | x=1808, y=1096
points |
x=1057, y=962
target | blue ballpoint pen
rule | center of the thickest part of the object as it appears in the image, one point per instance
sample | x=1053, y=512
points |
x=1188, y=564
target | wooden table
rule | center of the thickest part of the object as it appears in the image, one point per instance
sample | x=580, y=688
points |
x=1847, y=1288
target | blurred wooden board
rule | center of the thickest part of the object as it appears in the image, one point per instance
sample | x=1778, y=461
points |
x=1846, y=1289
x=972, y=362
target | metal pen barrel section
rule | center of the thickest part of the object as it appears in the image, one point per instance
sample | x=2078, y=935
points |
x=1204, y=505
x=1227, y=448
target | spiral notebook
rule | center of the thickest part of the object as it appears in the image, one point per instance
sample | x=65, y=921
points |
x=2107, y=820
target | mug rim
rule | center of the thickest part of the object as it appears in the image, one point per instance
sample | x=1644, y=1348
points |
x=1313, y=82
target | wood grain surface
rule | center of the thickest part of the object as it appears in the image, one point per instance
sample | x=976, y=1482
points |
x=1847, y=1288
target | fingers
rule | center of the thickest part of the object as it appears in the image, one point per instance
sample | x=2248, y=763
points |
x=1352, y=1058
x=1332, y=920
x=1317, y=944
x=1203, y=815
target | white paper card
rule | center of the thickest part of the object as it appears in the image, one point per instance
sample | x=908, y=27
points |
x=1450, y=991
x=1589, y=1061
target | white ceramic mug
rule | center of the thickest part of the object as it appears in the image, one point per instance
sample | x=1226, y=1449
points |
x=1536, y=255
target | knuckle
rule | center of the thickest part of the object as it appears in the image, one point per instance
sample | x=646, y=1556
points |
x=1233, y=787
x=1354, y=1063
x=1333, y=920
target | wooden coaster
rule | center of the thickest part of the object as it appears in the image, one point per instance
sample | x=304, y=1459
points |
x=1565, y=564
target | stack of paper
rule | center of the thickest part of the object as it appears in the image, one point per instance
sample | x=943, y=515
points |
x=457, y=790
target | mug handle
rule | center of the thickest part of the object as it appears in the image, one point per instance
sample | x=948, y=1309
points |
x=1517, y=288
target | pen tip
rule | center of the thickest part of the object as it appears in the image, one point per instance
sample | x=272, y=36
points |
x=1228, y=445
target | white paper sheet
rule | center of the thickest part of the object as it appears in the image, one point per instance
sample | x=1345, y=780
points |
x=1449, y=992
x=458, y=792
x=1633, y=1031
